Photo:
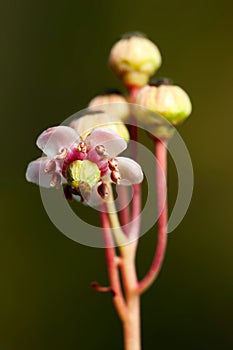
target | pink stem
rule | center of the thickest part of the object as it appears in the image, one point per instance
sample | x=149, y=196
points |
x=136, y=208
x=112, y=265
x=131, y=326
x=161, y=155
x=136, y=202
x=128, y=308
x=133, y=93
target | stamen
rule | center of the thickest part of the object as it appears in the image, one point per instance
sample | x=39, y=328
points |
x=115, y=176
x=56, y=180
x=113, y=164
x=100, y=150
x=103, y=190
x=50, y=167
x=82, y=147
x=62, y=153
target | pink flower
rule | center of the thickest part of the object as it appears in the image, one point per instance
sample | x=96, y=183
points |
x=85, y=166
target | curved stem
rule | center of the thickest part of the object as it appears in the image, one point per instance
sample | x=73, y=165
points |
x=136, y=202
x=161, y=155
x=112, y=265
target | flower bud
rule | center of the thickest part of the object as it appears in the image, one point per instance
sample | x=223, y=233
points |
x=170, y=101
x=82, y=172
x=114, y=104
x=90, y=121
x=134, y=59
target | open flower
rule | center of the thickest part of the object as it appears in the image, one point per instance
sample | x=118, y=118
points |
x=84, y=165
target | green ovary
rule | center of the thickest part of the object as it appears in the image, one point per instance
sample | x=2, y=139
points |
x=82, y=171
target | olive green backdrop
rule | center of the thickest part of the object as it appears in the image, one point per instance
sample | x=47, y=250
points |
x=53, y=60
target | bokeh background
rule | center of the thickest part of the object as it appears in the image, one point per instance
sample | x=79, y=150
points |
x=53, y=60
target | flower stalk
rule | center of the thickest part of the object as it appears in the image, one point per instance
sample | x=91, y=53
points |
x=161, y=170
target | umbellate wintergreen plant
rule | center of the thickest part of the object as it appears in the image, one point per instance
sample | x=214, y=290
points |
x=83, y=158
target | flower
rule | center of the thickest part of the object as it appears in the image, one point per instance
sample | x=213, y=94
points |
x=135, y=59
x=113, y=103
x=84, y=165
x=170, y=101
x=99, y=118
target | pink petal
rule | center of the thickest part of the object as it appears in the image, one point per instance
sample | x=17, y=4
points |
x=52, y=140
x=130, y=171
x=112, y=142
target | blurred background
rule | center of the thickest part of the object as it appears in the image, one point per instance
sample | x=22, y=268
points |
x=53, y=61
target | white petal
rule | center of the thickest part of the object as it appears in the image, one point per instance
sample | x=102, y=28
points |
x=112, y=142
x=130, y=171
x=36, y=172
x=52, y=140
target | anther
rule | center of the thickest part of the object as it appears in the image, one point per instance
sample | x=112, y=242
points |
x=62, y=153
x=82, y=147
x=103, y=190
x=56, y=180
x=50, y=167
x=115, y=176
x=100, y=150
x=113, y=164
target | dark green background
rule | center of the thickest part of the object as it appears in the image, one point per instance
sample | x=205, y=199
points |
x=53, y=60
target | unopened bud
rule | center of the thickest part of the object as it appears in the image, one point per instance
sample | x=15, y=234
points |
x=114, y=104
x=90, y=121
x=135, y=59
x=170, y=101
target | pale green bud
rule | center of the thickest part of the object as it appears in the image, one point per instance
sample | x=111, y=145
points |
x=135, y=59
x=91, y=121
x=114, y=104
x=170, y=101
x=82, y=172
